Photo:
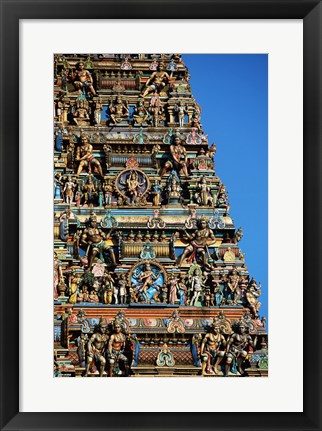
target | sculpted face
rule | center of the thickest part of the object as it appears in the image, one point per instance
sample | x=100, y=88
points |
x=81, y=66
x=93, y=222
x=242, y=329
x=117, y=329
x=177, y=141
x=103, y=329
x=216, y=330
x=203, y=223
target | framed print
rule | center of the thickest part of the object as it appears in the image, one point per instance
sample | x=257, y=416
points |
x=126, y=258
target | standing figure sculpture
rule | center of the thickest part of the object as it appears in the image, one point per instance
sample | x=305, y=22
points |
x=69, y=191
x=211, y=353
x=82, y=79
x=253, y=292
x=173, y=289
x=196, y=286
x=95, y=240
x=98, y=112
x=203, y=193
x=115, y=353
x=198, y=243
x=86, y=158
x=133, y=186
x=181, y=110
x=237, y=348
x=233, y=286
x=96, y=348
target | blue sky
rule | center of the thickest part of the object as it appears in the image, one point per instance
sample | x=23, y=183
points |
x=232, y=90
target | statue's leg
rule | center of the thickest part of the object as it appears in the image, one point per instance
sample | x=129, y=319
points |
x=240, y=361
x=184, y=255
x=228, y=364
x=102, y=365
x=80, y=167
x=111, y=367
x=204, y=364
x=220, y=356
x=93, y=254
x=88, y=365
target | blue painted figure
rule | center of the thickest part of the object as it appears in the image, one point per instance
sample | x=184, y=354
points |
x=148, y=279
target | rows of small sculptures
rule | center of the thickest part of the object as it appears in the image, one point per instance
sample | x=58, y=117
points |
x=149, y=108
x=146, y=285
x=222, y=350
x=132, y=185
x=95, y=279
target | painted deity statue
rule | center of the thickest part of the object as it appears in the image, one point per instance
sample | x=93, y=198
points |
x=82, y=79
x=157, y=81
x=118, y=111
x=95, y=240
x=141, y=114
x=237, y=348
x=86, y=158
x=203, y=193
x=69, y=191
x=115, y=352
x=98, y=112
x=181, y=110
x=96, y=348
x=211, y=353
x=179, y=160
x=198, y=243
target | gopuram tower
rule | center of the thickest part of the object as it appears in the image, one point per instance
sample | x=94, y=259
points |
x=149, y=279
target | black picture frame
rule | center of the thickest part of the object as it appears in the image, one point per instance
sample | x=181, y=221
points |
x=11, y=12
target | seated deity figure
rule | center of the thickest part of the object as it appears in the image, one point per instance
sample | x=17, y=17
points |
x=96, y=348
x=86, y=158
x=237, y=348
x=179, y=160
x=118, y=111
x=95, y=240
x=157, y=81
x=115, y=353
x=198, y=243
x=211, y=353
x=82, y=79
x=141, y=114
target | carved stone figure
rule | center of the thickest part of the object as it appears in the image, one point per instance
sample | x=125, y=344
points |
x=82, y=79
x=203, y=193
x=253, y=292
x=140, y=114
x=196, y=284
x=157, y=81
x=179, y=160
x=115, y=352
x=118, y=111
x=237, y=348
x=86, y=158
x=211, y=351
x=98, y=111
x=95, y=241
x=181, y=110
x=96, y=348
x=198, y=243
